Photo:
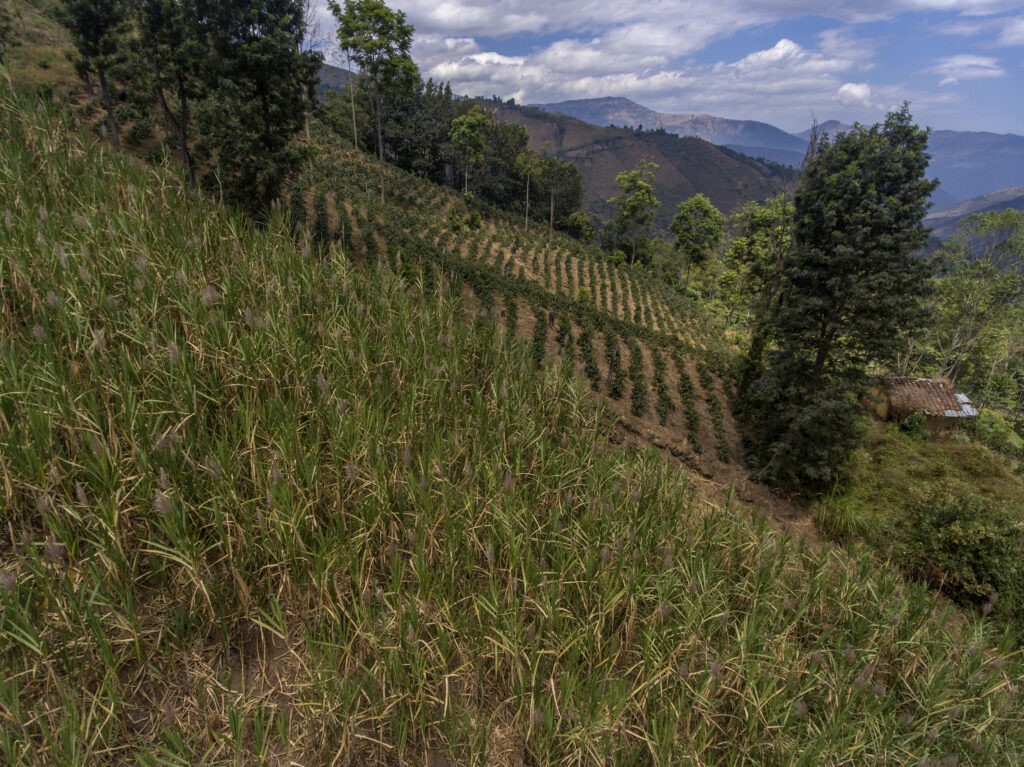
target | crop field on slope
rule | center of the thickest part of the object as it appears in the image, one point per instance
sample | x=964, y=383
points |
x=262, y=506
x=659, y=361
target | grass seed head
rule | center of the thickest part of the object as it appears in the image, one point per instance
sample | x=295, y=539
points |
x=179, y=277
x=210, y=296
x=168, y=713
x=39, y=333
x=80, y=495
x=8, y=581
x=161, y=503
x=51, y=299
x=53, y=551
x=800, y=709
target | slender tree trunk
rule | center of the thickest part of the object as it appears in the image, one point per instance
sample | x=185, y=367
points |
x=380, y=145
x=551, y=218
x=352, y=94
x=108, y=104
x=179, y=124
x=526, y=222
x=184, y=122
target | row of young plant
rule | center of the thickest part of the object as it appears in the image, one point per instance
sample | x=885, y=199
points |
x=567, y=267
x=486, y=276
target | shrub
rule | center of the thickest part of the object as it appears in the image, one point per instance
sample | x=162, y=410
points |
x=996, y=432
x=913, y=425
x=970, y=547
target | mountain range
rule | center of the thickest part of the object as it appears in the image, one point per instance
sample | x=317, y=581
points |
x=686, y=165
x=967, y=163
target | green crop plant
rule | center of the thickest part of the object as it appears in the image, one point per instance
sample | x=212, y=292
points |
x=585, y=341
x=540, y=337
x=718, y=420
x=638, y=379
x=688, y=398
x=616, y=374
x=663, y=405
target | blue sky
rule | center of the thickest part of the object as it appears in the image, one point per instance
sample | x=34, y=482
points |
x=959, y=62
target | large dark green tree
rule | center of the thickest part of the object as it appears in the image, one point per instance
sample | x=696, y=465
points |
x=99, y=29
x=166, y=66
x=379, y=41
x=852, y=287
x=258, y=88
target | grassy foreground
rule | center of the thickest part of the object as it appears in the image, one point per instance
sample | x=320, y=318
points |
x=265, y=507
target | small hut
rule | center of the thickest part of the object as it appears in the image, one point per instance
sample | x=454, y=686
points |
x=941, y=404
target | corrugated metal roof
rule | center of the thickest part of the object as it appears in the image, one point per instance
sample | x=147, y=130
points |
x=931, y=397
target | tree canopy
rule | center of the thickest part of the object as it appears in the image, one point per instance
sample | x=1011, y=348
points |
x=635, y=208
x=851, y=289
x=698, y=228
x=379, y=40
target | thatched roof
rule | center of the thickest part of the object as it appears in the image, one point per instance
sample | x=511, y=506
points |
x=929, y=396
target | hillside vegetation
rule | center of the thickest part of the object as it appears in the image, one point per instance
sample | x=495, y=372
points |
x=268, y=501
x=686, y=165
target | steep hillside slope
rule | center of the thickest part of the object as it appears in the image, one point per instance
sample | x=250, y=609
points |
x=687, y=165
x=265, y=505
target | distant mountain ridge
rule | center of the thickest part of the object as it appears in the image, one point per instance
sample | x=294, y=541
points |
x=944, y=222
x=716, y=130
x=968, y=163
x=686, y=165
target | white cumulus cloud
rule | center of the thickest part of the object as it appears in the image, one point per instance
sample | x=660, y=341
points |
x=967, y=66
x=855, y=94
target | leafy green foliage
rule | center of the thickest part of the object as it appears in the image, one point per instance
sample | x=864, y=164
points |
x=379, y=41
x=697, y=227
x=975, y=340
x=851, y=289
x=7, y=38
x=972, y=549
x=635, y=209
x=467, y=136
x=99, y=30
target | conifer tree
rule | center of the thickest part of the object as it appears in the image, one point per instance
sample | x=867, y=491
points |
x=98, y=29
x=258, y=87
x=852, y=287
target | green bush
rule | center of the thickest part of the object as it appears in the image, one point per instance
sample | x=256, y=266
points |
x=913, y=425
x=996, y=432
x=971, y=548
